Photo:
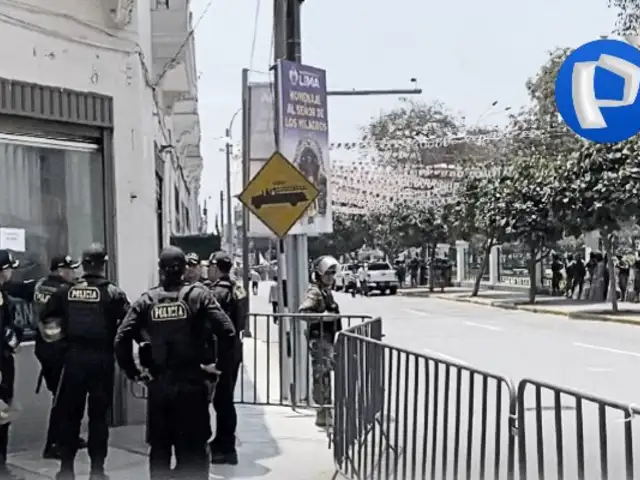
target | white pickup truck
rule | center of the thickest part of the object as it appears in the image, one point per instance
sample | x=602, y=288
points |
x=381, y=276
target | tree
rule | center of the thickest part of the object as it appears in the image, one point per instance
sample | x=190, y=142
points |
x=420, y=224
x=530, y=193
x=628, y=16
x=599, y=189
x=404, y=135
x=350, y=232
x=481, y=208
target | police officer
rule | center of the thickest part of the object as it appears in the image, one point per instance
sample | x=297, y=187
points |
x=178, y=320
x=193, y=272
x=11, y=336
x=89, y=312
x=232, y=298
x=321, y=333
x=51, y=354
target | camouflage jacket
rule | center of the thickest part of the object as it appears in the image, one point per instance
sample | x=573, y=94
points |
x=320, y=300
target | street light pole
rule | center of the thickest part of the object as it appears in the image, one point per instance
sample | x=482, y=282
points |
x=228, y=152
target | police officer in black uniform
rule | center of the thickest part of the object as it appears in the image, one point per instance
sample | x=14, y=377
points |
x=9, y=341
x=193, y=273
x=232, y=298
x=178, y=321
x=51, y=354
x=90, y=312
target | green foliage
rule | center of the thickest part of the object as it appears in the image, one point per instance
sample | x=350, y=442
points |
x=350, y=232
x=481, y=208
x=599, y=187
x=628, y=19
x=531, y=188
x=401, y=136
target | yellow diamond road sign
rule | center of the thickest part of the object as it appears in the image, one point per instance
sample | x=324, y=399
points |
x=279, y=194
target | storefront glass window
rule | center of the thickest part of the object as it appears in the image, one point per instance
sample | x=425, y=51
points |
x=54, y=195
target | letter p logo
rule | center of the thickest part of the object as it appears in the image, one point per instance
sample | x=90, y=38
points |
x=615, y=117
x=586, y=104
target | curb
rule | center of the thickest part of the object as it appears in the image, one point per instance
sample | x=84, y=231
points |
x=587, y=316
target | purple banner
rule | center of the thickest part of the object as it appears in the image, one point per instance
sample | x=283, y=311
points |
x=304, y=137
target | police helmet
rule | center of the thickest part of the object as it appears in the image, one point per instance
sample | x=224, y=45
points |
x=172, y=259
x=95, y=255
x=326, y=264
x=193, y=259
x=221, y=259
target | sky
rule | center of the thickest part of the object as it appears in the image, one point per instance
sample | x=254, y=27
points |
x=465, y=53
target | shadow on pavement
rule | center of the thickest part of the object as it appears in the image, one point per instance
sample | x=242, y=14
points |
x=255, y=442
x=28, y=430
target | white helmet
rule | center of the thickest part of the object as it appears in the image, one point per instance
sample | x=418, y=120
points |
x=325, y=264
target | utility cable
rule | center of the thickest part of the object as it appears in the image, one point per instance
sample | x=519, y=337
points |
x=255, y=36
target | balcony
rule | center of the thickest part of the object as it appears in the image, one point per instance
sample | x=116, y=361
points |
x=170, y=26
x=193, y=166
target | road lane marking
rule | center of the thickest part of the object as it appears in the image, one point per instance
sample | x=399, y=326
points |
x=444, y=356
x=607, y=349
x=482, y=325
x=416, y=312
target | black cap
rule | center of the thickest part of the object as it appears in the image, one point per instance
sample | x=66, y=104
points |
x=63, y=261
x=172, y=258
x=7, y=261
x=95, y=255
x=221, y=258
x=193, y=259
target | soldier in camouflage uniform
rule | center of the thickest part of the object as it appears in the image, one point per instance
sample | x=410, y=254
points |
x=321, y=333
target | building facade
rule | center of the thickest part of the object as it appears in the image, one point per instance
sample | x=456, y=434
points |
x=99, y=132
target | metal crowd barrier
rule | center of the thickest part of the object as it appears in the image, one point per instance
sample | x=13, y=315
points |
x=573, y=435
x=427, y=418
x=406, y=416
x=276, y=368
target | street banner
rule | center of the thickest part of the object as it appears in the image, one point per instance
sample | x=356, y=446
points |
x=262, y=141
x=303, y=129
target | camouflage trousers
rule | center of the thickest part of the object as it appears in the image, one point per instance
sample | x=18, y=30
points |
x=322, y=364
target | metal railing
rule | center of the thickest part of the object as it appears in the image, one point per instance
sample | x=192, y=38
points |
x=277, y=367
x=403, y=415
x=573, y=435
x=428, y=418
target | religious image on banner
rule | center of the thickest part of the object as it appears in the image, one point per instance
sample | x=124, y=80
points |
x=304, y=137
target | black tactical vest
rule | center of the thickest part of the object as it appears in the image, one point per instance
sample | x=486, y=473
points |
x=45, y=287
x=231, y=307
x=87, y=315
x=174, y=340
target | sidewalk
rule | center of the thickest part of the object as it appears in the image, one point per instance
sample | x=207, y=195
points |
x=273, y=443
x=575, y=309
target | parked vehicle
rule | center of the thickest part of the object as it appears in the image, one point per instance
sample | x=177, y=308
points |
x=346, y=277
x=382, y=277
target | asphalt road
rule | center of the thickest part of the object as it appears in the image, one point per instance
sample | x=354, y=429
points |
x=601, y=359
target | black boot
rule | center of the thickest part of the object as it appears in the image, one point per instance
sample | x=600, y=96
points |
x=51, y=452
x=222, y=456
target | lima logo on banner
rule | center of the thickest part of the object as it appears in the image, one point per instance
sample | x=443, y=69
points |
x=597, y=91
x=303, y=79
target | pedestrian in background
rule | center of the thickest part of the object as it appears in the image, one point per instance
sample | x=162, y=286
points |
x=274, y=294
x=255, y=281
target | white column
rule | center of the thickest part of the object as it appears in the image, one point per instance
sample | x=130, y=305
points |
x=461, y=248
x=493, y=265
